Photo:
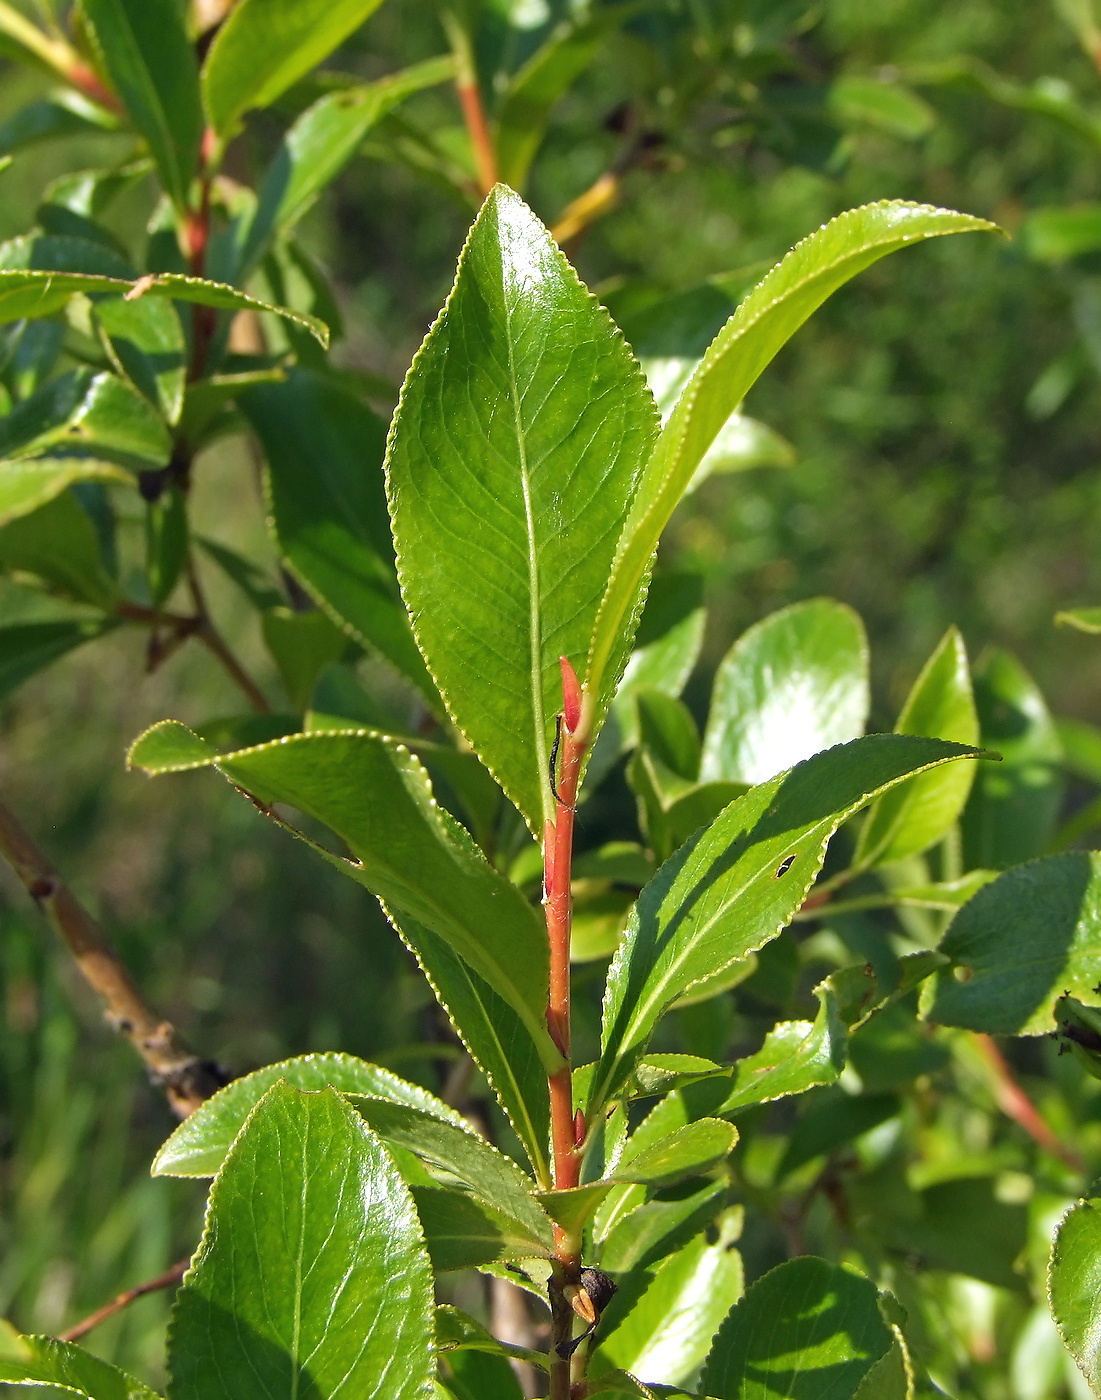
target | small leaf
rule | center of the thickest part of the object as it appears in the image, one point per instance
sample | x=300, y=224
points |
x=796, y=1056
x=57, y=547
x=1082, y=619
x=1061, y=233
x=200, y=1144
x=1074, y=1284
x=833, y=1122
x=573, y=1208
x=62, y=113
x=147, y=345
x=807, y=1330
x=303, y=644
x=660, y=1328
x=731, y=889
x=764, y=321
x=143, y=48
x=521, y=430
x=376, y=796
x=920, y=813
x=859, y=101
x=63, y=1367
x=1022, y=941
x=463, y=1232
x=458, y=1331
x=660, y=1074
x=649, y=1233
x=689, y=1151
x=324, y=450
x=166, y=543
x=26, y=485
x=97, y=414
x=312, y=1277
x=266, y=45
x=29, y=647
x=792, y=685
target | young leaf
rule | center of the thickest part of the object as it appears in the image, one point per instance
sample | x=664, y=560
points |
x=732, y=888
x=376, y=796
x=27, y=485
x=28, y=647
x=199, y=1145
x=916, y=815
x=1022, y=941
x=764, y=321
x=57, y=548
x=794, y=684
x=1012, y=811
x=143, y=48
x=689, y=1151
x=1074, y=1287
x=660, y=1327
x=312, y=1277
x=521, y=430
x=324, y=450
x=266, y=45
x=807, y=1330
x=64, y=1368
x=796, y=1056
x=1082, y=619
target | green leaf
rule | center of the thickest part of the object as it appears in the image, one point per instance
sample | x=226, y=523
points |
x=1074, y=1287
x=266, y=45
x=324, y=450
x=477, y=1375
x=458, y=1331
x=689, y=1151
x=29, y=647
x=659, y=1074
x=807, y=1330
x=533, y=91
x=312, y=1277
x=521, y=430
x=832, y=1122
x=921, y=812
x=1014, y=805
x=62, y=113
x=498, y=1041
x=1082, y=619
x=662, y=1332
x=57, y=547
x=794, y=684
x=85, y=412
x=28, y=292
x=303, y=644
x=47, y=1362
x=27, y=485
x=65, y=253
x=1022, y=941
x=463, y=1232
x=764, y=321
x=147, y=346
x=200, y=1144
x=796, y=1056
x=963, y=1227
x=654, y=1230
x=166, y=542
x=143, y=48
x=1061, y=233
x=321, y=142
x=732, y=888
x=890, y=107
x=450, y=1144
x=376, y=796
x=573, y=1207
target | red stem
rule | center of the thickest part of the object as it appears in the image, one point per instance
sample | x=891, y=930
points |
x=1015, y=1104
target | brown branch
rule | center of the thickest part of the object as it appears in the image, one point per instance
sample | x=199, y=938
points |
x=186, y=1079
x=212, y=639
x=154, y=1285
x=1015, y=1103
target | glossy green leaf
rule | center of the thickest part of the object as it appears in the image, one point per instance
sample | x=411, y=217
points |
x=450, y=1144
x=321, y=142
x=1022, y=941
x=796, y=1056
x=303, y=644
x=1082, y=619
x=689, y=1151
x=498, y=1041
x=32, y=291
x=324, y=450
x=29, y=647
x=147, y=345
x=533, y=91
x=920, y=813
x=464, y=1232
x=516, y=447
x=143, y=48
x=1011, y=814
x=652, y=1231
x=807, y=1330
x=96, y=256
x=199, y=1145
x=659, y=1074
x=573, y=1207
x=764, y=321
x=46, y=1362
x=266, y=45
x=62, y=113
x=57, y=548
x=312, y=1277
x=26, y=485
x=376, y=796
x=794, y=684
x=732, y=888
x=662, y=1332
x=479, y=1375
x=97, y=414
x=1074, y=1287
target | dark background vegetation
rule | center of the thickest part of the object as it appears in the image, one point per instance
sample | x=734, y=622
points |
x=946, y=473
